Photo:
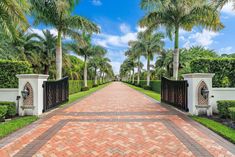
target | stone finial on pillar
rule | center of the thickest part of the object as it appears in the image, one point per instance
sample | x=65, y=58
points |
x=199, y=92
x=31, y=92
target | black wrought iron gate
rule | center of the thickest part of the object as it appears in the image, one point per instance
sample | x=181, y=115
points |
x=55, y=93
x=175, y=93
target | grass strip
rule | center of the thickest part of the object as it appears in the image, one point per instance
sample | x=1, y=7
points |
x=9, y=127
x=150, y=93
x=217, y=127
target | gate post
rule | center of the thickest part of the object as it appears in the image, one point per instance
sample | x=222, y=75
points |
x=199, y=92
x=31, y=94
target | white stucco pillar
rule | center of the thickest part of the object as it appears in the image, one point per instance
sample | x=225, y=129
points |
x=194, y=80
x=33, y=103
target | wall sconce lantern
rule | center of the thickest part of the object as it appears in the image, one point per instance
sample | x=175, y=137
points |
x=25, y=93
x=205, y=92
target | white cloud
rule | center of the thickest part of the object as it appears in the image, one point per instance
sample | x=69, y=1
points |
x=226, y=50
x=125, y=28
x=109, y=40
x=96, y=2
x=229, y=9
x=204, y=38
x=39, y=31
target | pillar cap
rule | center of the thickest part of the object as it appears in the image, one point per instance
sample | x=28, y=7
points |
x=32, y=76
x=199, y=75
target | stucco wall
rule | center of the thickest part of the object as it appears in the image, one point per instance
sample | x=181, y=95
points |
x=8, y=94
x=221, y=94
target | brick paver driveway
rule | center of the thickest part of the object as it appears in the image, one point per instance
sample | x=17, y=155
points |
x=116, y=121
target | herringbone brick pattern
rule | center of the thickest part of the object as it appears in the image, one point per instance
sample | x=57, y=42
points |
x=116, y=121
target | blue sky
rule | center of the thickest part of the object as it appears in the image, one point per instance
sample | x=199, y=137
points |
x=118, y=21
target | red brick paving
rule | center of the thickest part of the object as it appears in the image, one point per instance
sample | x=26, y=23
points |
x=133, y=131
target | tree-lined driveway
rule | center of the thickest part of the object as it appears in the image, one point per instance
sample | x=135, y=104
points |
x=115, y=121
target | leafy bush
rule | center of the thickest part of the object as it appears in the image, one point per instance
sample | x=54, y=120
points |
x=156, y=85
x=95, y=85
x=223, y=107
x=90, y=83
x=232, y=113
x=147, y=87
x=85, y=88
x=9, y=70
x=76, y=86
x=11, y=108
x=222, y=67
x=3, y=112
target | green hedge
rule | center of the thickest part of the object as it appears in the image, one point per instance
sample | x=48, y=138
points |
x=76, y=86
x=232, y=113
x=222, y=67
x=9, y=70
x=223, y=107
x=155, y=85
x=11, y=109
x=3, y=112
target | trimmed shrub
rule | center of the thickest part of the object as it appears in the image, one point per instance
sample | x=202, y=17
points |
x=3, y=112
x=156, y=85
x=222, y=67
x=232, y=113
x=223, y=107
x=95, y=85
x=76, y=86
x=147, y=87
x=85, y=88
x=9, y=70
x=11, y=108
x=90, y=83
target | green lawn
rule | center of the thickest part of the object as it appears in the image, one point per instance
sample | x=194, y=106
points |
x=15, y=124
x=221, y=129
x=76, y=96
x=151, y=94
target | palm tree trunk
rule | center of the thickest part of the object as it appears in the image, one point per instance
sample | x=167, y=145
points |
x=133, y=79
x=95, y=76
x=59, y=56
x=148, y=71
x=46, y=69
x=85, y=71
x=176, y=55
x=138, y=79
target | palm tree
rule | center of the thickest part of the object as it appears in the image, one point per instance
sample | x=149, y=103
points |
x=104, y=67
x=58, y=14
x=97, y=60
x=136, y=51
x=12, y=16
x=181, y=14
x=150, y=44
x=86, y=50
x=47, y=49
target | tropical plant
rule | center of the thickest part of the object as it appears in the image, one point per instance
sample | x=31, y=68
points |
x=150, y=44
x=12, y=17
x=181, y=14
x=136, y=52
x=47, y=44
x=86, y=51
x=58, y=14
